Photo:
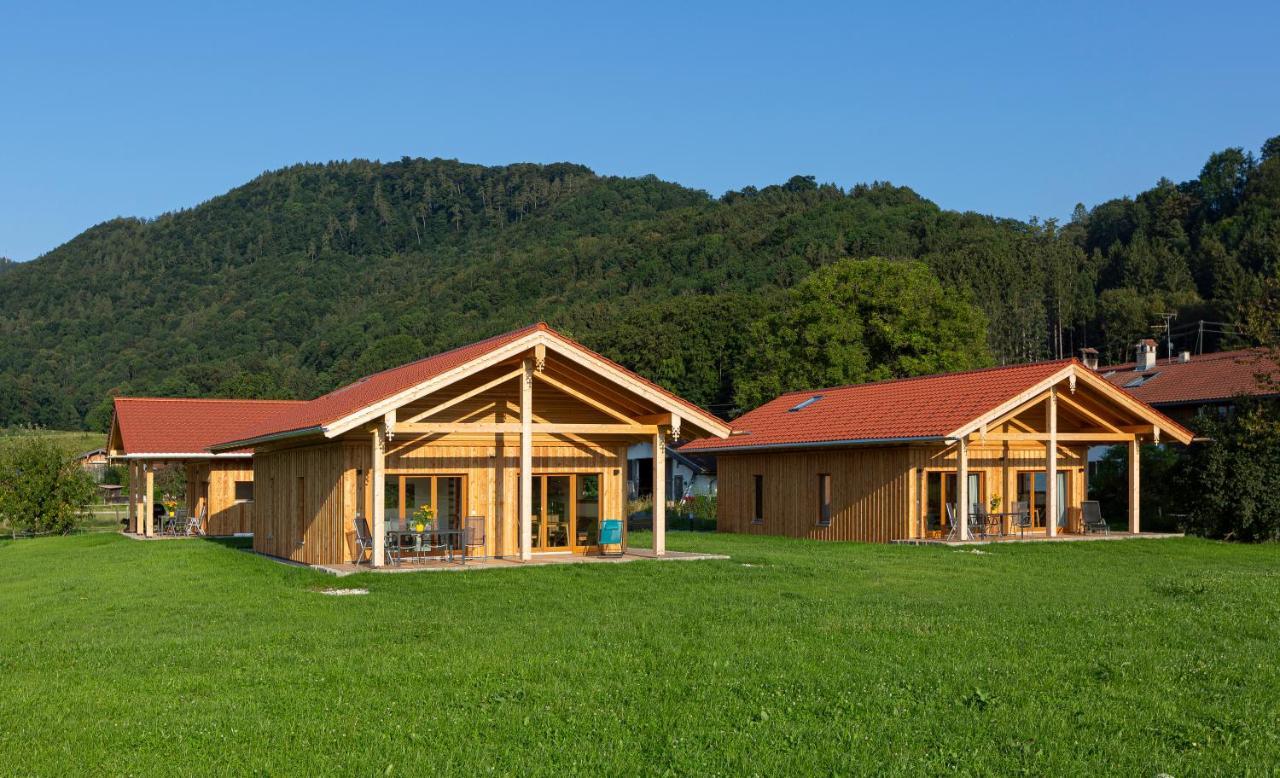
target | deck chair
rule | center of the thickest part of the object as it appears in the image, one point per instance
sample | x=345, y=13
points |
x=1020, y=518
x=472, y=537
x=611, y=535
x=953, y=531
x=364, y=539
x=1091, y=518
x=195, y=523
x=978, y=520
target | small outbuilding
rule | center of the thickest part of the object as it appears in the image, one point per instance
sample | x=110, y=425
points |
x=152, y=434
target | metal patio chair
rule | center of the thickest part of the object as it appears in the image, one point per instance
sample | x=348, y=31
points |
x=364, y=539
x=1091, y=518
x=195, y=523
x=979, y=521
x=473, y=536
x=1020, y=518
x=953, y=529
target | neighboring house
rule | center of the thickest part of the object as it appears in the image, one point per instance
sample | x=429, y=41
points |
x=882, y=461
x=687, y=475
x=524, y=435
x=153, y=434
x=94, y=463
x=1184, y=386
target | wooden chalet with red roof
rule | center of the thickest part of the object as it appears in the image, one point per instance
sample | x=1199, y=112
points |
x=916, y=458
x=522, y=437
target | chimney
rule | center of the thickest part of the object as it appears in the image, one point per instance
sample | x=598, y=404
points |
x=1146, y=355
x=1184, y=356
x=1089, y=356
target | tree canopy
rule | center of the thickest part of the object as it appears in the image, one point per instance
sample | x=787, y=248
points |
x=310, y=276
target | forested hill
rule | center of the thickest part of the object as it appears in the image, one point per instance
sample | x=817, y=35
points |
x=307, y=277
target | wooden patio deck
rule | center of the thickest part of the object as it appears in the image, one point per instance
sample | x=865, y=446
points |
x=539, y=560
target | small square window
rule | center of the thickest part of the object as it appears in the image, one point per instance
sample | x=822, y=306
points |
x=244, y=491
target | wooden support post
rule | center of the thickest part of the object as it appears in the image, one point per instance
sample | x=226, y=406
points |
x=378, y=493
x=659, y=495
x=131, y=508
x=1051, y=495
x=1135, y=501
x=149, y=498
x=526, y=462
x=962, y=487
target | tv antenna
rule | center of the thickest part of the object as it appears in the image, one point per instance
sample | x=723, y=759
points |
x=1168, y=331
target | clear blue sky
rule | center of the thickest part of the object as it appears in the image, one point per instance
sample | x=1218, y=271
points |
x=136, y=109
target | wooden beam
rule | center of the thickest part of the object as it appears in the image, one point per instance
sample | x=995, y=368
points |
x=1088, y=414
x=539, y=428
x=962, y=488
x=1062, y=437
x=1051, y=495
x=659, y=494
x=585, y=398
x=1135, y=497
x=378, y=475
x=526, y=461
x=661, y=419
x=467, y=395
x=149, y=498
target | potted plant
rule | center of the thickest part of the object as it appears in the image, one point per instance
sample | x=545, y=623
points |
x=170, y=505
x=995, y=503
x=424, y=518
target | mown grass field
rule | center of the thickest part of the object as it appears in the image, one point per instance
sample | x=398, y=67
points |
x=181, y=657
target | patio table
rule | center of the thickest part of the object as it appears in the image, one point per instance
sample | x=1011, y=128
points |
x=451, y=537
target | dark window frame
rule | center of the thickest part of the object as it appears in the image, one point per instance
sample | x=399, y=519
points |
x=825, y=499
x=238, y=491
x=757, y=507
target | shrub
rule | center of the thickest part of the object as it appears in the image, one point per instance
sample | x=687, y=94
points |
x=42, y=489
x=1232, y=482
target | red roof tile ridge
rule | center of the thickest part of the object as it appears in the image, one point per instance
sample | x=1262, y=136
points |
x=1212, y=356
x=439, y=355
x=128, y=398
x=973, y=371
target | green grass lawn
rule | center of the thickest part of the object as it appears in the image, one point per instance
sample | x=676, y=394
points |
x=793, y=657
x=73, y=442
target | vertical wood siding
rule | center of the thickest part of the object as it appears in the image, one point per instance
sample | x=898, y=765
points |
x=225, y=515
x=877, y=492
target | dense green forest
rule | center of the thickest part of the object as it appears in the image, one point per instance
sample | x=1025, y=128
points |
x=308, y=277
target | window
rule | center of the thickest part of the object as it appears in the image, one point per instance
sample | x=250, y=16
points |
x=361, y=509
x=824, y=499
x=757, y=515
x=244, y=491
x=805, y=404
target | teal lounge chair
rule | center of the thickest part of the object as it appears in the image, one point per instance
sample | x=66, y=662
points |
x=611, y=535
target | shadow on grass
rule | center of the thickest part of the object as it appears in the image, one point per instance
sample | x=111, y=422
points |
x=241, y=543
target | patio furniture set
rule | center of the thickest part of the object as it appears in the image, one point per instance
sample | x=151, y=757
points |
x=432, y=543
x=985, y=524
x=180, y=523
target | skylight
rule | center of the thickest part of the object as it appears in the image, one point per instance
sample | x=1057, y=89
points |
x=805, y=404
x=1140, y=380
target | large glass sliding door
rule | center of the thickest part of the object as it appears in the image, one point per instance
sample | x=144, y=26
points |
x=1032, y=490
x=941, y=490
x=566, y=512
x=405, y=494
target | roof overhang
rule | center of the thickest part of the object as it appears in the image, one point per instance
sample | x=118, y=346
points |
x=377, y=411
x=183, y=455
x=732, y=449
x=1148, y=414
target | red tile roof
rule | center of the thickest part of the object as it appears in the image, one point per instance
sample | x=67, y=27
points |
x=1204, y=378
x=171, y=425
x=369, y=390
x=930, y=406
